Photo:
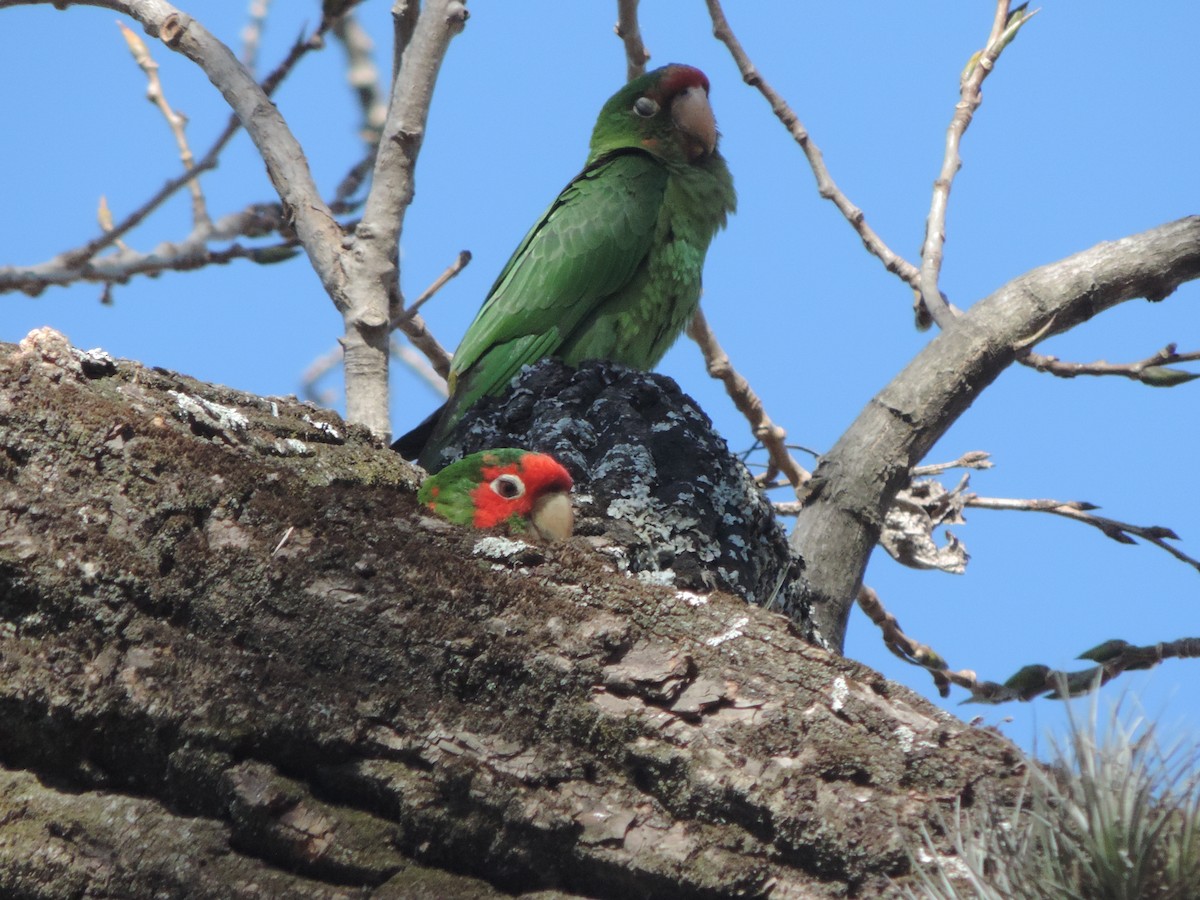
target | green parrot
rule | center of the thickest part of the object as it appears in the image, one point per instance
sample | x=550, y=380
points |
x=612, y=268
x=517, y=489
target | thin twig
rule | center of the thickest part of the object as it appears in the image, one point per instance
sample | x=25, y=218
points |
x=350, y=184
x=1080, y=511
x=1003, y=28
x=72, y=265
x=910, y=650
x=414, y=328
x=627, y=29
x=316, y=370
x=175, y=121
x=1147, y=371
x=460, y=262
x=363, y=76
x=749, y=405
x=826, y=186
x=974, y=459
x=105, y=221
x=1112, y=657
x=420, y=367
x=434, y=376
x=82, y=264
x=252, y=33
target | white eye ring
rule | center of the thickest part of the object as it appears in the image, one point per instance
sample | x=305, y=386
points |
x=645, y=107
x=510, y=487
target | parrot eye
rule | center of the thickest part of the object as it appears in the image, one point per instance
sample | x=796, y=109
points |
x=510, y=487
x=645, y=107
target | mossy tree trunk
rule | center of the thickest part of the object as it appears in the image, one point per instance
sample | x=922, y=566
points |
x=236, y=660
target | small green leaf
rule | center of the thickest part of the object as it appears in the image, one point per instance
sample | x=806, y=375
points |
x=266, y=256
x=1106, y=651
x=1029, y=681
x=1162, y=376
x=970, y=66
x=1018, y=17
x=930, y=658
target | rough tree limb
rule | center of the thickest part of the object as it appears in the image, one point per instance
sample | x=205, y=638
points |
x=236, y=660
x=857, y=479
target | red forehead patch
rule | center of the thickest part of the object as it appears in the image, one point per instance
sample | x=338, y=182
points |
x=679, y=77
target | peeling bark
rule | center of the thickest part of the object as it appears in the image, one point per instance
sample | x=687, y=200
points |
x=237, y=660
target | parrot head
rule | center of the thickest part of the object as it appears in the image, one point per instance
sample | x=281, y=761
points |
x=518, y=489
x=664, y=112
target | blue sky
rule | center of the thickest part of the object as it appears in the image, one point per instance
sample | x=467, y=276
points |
x=1088, y=132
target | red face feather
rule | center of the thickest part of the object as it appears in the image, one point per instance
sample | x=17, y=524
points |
x=496, y=500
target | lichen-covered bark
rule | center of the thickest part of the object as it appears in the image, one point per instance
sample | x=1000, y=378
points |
x=237, y=660
x=657, y=487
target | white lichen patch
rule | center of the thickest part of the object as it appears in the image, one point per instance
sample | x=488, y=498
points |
x=734, y=631
x=661, y=577
x=907, y=737
x=690, y=598
x=501, y=548
x=323, y=427
x=291, y=447
x=226, y=417
x=839, y=695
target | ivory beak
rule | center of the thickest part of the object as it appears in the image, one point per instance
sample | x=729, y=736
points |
x=693, y=115
x=553, y=517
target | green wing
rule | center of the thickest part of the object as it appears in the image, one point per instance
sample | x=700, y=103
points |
x=586, y=247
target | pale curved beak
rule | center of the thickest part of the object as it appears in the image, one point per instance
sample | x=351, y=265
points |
x=693, y=115
x=553, y=517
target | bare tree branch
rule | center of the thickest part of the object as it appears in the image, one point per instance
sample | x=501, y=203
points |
x=910, y=650
x=80, y=264
x=1121, y=532
x=451, y=271
x=1031, y=681
x=175, y=121
x=749, y=405
x=311, y=377
x=360, y=277
x=826, y=186
x=420, y=366
x=627, y=29
x=253, y=31
x=1149, y=371
x=418, y=333
x=363, y=76
x=856, y=481
x=373, y=259
x=1113, y=658
x=1004, y=27
x=974, y=459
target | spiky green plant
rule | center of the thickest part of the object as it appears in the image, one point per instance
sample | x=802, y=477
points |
x=1115, y=816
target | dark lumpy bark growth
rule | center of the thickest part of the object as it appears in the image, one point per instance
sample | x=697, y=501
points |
x=656, y=486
